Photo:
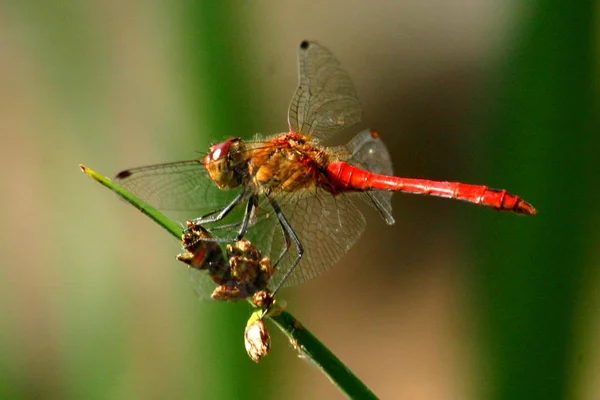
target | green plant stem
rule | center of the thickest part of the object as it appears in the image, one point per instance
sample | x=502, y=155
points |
x=303, y=341
x=170, y=226
x=309, y=346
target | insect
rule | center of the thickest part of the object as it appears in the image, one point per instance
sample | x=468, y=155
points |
x=289, y=190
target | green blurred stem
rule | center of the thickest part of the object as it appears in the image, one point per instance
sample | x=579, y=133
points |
x=303, y=341
x=307, y=345
x=170, y=226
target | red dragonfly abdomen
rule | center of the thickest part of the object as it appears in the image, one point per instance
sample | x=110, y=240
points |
x=345, y=177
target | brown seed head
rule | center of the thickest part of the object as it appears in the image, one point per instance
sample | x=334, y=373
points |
x=229, y=292
x=262, y=299
x=257, y=340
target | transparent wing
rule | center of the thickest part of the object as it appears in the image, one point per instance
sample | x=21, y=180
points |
x=326, y=225
x=201, y=283
x=326, y=99
x=368, y=152
x=179, y=186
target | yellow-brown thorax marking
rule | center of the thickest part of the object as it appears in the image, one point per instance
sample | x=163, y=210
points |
x=286, y=163
x=292, y=163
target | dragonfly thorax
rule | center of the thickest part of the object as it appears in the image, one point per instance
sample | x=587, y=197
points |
x=288, y=164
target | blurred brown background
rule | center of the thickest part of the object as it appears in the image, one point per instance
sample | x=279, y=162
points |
x=453, y=302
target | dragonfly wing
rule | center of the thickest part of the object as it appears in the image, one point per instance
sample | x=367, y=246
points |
x=368, y=152
x=179, y=186
x=326, y=99
x=202, y=284
x=326, y=225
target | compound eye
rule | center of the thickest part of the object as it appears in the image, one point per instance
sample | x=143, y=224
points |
x=218, y=151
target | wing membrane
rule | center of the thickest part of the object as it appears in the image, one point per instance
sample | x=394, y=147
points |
x=368, y=152
x=326, y=99
x=179, y=186
x=326, y=225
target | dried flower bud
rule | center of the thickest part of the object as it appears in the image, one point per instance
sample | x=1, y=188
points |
x=243, y=269
x=238, y=274
x=203, y=254
x=262, y=299
x=265, y=273
x=248, y=267
x=257, y=340
x=229, y=292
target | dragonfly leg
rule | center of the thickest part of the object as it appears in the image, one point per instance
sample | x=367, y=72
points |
x=286, y=247
x=289, y=233
x=220, y=213
x=250, y=207
x=242, y=233
x=224, y=227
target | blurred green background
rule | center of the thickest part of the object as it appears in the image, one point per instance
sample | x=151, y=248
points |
x=453, y=302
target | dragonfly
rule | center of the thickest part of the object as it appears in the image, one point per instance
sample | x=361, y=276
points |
x=290, y=191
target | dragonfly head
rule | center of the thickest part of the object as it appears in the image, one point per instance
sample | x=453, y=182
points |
x=221, y=163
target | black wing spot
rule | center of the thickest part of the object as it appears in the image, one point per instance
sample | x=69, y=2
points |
x=123, y=174
x=304, y=44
